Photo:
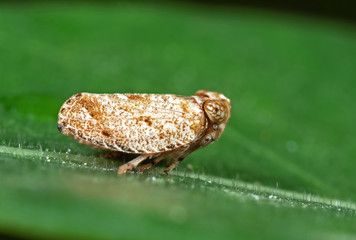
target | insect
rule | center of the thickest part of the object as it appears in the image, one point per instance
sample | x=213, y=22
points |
x=155, y=126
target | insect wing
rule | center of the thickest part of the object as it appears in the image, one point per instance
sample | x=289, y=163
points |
x=133, y=123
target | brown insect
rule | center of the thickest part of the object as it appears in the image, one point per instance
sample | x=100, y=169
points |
x=155, y=126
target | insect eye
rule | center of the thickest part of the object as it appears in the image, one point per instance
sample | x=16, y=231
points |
x=215, y=126
x=216, y=111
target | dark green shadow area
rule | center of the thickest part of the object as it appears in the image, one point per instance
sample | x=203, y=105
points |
x=291, y=82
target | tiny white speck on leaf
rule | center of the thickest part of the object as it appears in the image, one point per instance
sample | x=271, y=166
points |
x=272, y=197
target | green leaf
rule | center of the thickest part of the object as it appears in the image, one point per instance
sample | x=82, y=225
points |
x=284, y=167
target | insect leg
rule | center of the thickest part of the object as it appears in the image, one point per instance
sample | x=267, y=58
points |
x=154, y=162
x=174, y=164
x=171, y=161
x=178, y=158
x=184, y=151
x=133, y=163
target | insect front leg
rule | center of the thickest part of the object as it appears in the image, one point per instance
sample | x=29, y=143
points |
x=178, y=157
x=133, y=163
x=175, y=162
x=171, y=160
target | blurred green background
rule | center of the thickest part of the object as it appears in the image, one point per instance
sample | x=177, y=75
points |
x=284, y=167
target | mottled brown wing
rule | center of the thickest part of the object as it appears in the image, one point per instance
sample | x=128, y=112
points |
x=132, y=123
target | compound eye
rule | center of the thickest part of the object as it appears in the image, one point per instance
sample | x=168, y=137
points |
x=216, y=110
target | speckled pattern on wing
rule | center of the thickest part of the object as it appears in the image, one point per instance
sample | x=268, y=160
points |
x=133, y=123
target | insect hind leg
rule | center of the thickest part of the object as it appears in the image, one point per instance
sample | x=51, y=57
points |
x=133, y=163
